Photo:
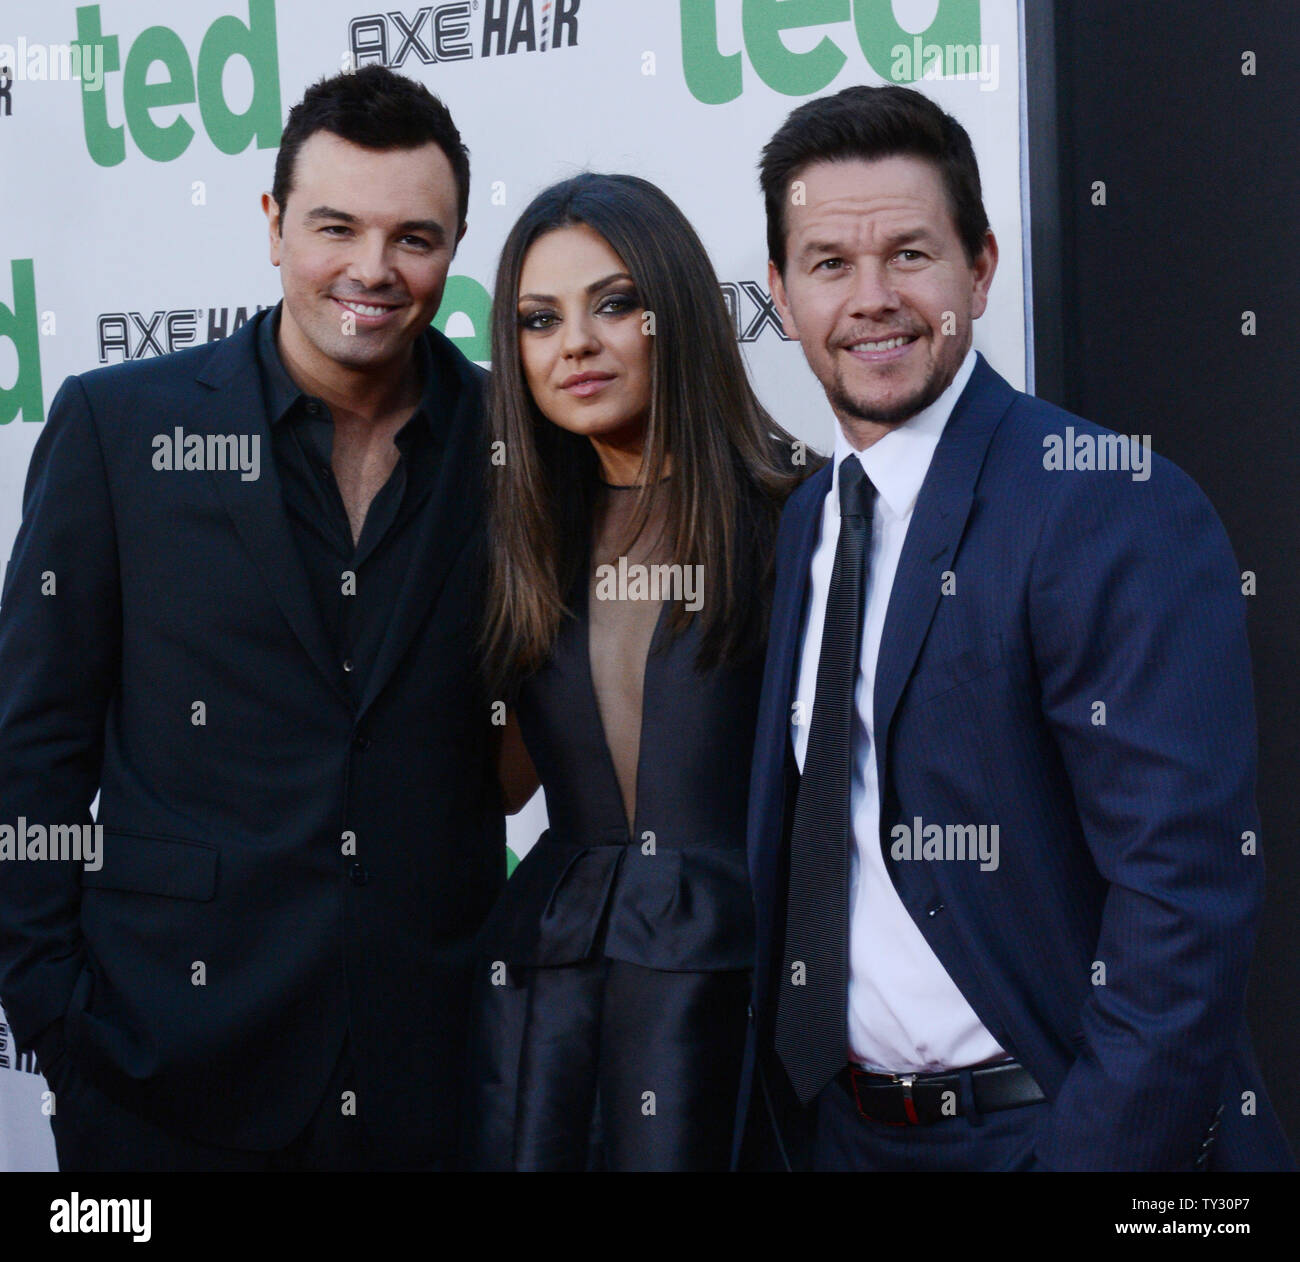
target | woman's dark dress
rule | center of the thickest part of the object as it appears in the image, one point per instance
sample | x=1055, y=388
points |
x=610, y=1002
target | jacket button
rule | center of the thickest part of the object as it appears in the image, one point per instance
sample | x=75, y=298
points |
x=357, y=874
x=935, y=910
x=361, y=741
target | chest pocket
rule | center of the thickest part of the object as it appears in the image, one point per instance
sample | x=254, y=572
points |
x=946, y=669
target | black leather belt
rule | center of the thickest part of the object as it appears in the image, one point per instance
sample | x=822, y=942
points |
x=919, y=1099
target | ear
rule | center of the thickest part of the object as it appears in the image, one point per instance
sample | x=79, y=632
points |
x=986, y=263
x=455, y=245
x=272, y=212
x=777, y=287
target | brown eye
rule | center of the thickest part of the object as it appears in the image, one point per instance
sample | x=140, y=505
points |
x=619, y=304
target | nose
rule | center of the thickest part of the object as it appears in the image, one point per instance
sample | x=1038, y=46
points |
x=369, y=265
x=578, y=336
x=874, y=292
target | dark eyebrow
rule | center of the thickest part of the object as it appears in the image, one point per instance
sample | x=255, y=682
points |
x=920, y=236
x=591, y=289
x=328, y=212
x=820, y=247
x=431, y=226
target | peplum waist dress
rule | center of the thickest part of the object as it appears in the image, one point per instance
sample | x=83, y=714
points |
x=611, y=991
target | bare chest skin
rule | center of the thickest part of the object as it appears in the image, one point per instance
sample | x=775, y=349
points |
x=363, y=460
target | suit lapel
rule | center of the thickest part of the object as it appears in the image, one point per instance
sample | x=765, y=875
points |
x=446, y=520
x=797, y=538
x=792, y=592
x=233, y=403
x=940, y=516
x=938, y=521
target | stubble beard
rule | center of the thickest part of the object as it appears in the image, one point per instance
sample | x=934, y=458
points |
x=938, y=380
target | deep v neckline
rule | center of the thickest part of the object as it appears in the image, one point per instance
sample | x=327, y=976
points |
x=593, y=703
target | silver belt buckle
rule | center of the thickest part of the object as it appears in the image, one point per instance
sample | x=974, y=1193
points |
x=909, y=1104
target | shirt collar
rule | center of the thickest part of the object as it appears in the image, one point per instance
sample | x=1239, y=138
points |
x=282, y=393
x=898, y=462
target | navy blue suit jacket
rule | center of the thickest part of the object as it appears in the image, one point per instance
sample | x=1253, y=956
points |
x=1108, y=951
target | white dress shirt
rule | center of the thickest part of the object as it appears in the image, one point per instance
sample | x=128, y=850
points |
x=905, y=1014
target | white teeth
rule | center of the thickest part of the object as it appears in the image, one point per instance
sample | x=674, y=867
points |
x=888, y=345
x=361, y=309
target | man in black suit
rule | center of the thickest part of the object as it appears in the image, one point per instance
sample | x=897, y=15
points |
x=242, y=608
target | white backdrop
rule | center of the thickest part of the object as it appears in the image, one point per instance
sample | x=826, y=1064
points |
x=130, y=219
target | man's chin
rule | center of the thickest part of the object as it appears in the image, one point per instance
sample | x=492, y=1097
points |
x=886, y=411
x=878, y=413
x=362, y=351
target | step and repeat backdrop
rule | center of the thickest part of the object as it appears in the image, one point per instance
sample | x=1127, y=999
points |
x=137, y=136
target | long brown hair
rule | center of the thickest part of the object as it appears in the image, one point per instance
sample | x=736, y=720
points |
x=732, y=465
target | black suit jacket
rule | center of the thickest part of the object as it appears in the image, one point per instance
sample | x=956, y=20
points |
x=207, y=973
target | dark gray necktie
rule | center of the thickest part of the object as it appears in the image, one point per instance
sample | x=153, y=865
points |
x=812, y=999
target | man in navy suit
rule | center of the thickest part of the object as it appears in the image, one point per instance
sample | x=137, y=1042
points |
x=242, y=608
x=1002, y=836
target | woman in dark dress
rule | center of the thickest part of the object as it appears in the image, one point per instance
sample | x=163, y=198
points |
x=635, y=488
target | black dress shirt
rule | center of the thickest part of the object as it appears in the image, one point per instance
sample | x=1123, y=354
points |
x=302, y=440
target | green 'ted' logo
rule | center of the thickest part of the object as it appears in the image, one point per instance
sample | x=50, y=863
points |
x=716, y=78
x=19, y=324
x=466, y=297
x=182, y=84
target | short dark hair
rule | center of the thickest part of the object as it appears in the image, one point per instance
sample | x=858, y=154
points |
x=871, y=123
x=377, y=109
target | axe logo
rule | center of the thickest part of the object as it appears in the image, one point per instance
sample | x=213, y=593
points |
x=123, y=335
x=751, y=309
x=437, y=33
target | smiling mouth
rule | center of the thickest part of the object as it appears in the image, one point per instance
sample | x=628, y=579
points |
x=883, y=344
x=371, y=311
